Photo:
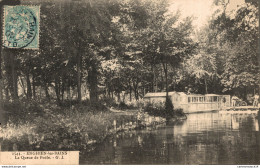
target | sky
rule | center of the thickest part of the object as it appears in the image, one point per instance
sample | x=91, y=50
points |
x=200, y=9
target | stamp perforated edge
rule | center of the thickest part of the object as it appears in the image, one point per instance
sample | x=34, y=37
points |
x=38, y=31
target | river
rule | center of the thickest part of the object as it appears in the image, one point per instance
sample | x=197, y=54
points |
x=204, y=138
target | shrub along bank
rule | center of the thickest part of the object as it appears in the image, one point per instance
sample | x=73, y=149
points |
x=165, y=110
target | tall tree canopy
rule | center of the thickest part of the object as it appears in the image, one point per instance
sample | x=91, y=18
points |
x=93, y=49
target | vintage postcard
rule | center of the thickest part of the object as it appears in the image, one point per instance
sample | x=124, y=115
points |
x=129, y=82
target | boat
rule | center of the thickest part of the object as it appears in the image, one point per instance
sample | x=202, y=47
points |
x=190, y=103
x=240, y=110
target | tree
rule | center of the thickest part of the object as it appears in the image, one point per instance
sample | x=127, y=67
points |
x=168, y=40
x=11, y=59
x=237, y=34
x=202, y=66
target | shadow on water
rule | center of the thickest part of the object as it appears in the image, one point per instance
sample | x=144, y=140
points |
x=204, y=138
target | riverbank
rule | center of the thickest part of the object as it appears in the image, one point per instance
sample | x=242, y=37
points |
x=51, y=127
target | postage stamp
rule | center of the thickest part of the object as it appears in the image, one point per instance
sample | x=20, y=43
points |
x=21, y=27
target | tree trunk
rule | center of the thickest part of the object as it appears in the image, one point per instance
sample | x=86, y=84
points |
x=165, y=67
x=124, y=97
x=68, y=92
x=135, y=84
x=174, y=85
x=130, y=92
x=15, y=80
x=162, y=87
x=136, y=94
x=1, y=88
x=29, y=88
x=15, y=83
x=1, y=91
x=62, y=88
x=7, y=96
x=79, y=77
x=109, y=93
x=22, y=85
x=153, y=78
x=206, y=87
x=118, y=97
x=143, y=89
x=11, y=74
x=57, y=89
x=33, y=86
x=46, y=92
x=1, y=77
x=14, y=92
x=93, y=82
x=166, y=79
x=245, y=94
x=156, y=85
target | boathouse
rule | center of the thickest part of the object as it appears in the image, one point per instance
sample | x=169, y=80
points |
x=191, y=102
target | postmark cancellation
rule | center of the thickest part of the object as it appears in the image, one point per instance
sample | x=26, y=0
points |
x=21, y=27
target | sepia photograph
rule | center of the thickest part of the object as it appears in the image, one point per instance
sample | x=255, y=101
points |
x=129, y=82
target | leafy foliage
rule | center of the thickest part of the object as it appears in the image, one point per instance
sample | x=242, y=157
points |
x=239, y=38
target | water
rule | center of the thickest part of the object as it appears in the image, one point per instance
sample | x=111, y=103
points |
x=204, y=138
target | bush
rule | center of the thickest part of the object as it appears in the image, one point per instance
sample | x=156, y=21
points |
x=14, y=107
x=179, y=112
x=155, y=109
x=68, y=103
x=123, y=106
x=135, y=104
x=26, y=106
x=160, y=109
x=23, y=110
x=109, y=102
x=86, y=104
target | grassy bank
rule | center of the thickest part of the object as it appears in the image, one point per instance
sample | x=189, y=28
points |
x=36, y=126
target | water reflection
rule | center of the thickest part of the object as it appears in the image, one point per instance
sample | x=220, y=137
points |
x=204, y=138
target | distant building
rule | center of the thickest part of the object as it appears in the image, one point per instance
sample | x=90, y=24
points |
x=191, y=102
